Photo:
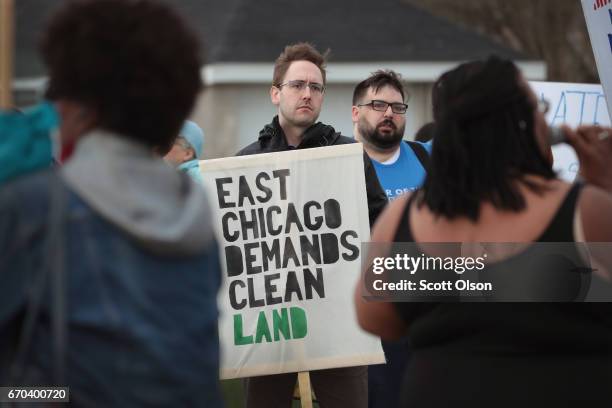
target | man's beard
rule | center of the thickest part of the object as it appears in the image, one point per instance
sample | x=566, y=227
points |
x=379, y=140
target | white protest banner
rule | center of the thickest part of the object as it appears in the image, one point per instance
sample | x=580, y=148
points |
x=598, y=15
x=290, y=227
x=574, y=105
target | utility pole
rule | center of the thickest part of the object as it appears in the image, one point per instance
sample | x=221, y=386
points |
x=7, y=8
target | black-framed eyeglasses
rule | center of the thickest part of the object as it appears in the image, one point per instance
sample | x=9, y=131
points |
x=298, y=85
x=381, y=106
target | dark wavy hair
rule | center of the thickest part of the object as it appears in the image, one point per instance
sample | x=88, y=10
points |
x=377, y=80
x=484, y=141
x=135, y=62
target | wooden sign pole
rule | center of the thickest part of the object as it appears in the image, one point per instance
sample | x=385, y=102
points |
x=6, y=53
x=305, y=389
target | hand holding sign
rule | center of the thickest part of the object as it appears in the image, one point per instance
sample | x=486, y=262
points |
x=574, y=105
x=593, y=146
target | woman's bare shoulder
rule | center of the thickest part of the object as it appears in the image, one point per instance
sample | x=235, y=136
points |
x=595, y=207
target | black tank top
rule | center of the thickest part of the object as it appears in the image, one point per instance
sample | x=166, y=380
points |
x=489, y=354
x=499, y=323
x=560, y=229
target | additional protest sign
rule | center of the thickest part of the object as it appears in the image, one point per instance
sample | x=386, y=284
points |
x=598, y=15
x=290, y=227
x=574, y=105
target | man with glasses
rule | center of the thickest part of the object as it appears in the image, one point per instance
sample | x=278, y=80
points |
x=298, y=88
x=379, y=120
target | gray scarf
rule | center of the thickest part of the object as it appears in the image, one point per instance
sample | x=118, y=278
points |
x=124, y=183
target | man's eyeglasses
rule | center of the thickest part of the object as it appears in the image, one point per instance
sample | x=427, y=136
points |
x=381, y=106
x=299, y=85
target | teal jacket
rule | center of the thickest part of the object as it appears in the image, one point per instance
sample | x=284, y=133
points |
x=25, y=144
x=192, y=168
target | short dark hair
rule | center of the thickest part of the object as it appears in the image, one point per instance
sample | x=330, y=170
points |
x=377, y=80
x=135, y=62
x=298, y=52
x=484, y=141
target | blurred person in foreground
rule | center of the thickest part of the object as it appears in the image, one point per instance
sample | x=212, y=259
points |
x=491, y=180
x=187, y=151
x=109, y=266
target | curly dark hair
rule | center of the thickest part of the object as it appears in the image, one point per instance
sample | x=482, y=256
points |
x=135, y=62
x=484, y=141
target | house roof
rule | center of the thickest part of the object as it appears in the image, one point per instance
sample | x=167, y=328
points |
x=354, y=30
x=247, y=31
x=208, y=17
x=30, y=17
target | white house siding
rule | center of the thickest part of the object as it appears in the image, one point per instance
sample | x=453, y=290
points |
x=232, y=115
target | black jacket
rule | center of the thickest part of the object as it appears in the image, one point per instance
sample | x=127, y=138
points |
x=272, y=139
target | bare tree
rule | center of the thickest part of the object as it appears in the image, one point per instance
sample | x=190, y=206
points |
x=552, y=30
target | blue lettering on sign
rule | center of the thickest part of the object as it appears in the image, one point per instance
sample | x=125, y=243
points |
x=573, y=168
x=562, y=105
x=577, y=105
x=584, y=94
x=599, y=97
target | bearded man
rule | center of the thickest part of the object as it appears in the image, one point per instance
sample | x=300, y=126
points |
x=379, y=121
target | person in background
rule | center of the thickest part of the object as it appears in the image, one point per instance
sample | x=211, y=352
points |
x=187, y=150
x=425, y=133
x=109, y=265
x=379, y=120
x=491, y=180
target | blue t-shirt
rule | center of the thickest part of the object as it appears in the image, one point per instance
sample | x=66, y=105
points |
x=404, y=175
